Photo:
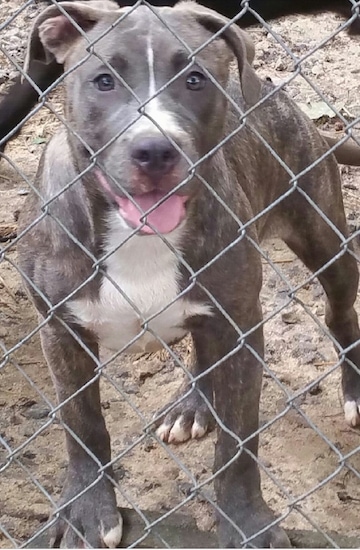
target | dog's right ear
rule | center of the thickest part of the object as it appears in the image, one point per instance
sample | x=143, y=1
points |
x=58, y=27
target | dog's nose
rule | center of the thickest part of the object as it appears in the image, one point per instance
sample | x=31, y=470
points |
x=155, y=156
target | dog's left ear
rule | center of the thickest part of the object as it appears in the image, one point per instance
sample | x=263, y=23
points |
x=59, y=26
x=238, y=40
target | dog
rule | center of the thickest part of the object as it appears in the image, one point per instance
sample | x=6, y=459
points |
x=145, y=225
x=22, y=95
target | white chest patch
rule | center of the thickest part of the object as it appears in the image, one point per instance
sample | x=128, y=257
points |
x=142, y=286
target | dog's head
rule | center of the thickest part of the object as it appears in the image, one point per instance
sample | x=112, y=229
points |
x=145, y=95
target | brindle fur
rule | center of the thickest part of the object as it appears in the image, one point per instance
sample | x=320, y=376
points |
x=247, y=177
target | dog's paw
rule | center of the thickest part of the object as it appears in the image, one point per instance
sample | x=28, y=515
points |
x=190, y=419
x=352, y=412
x=89, y=520
x=251, y=520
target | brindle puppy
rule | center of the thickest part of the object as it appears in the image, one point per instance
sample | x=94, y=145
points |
x=151, y=231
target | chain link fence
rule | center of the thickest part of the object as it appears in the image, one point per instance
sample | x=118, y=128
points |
x=308, y=457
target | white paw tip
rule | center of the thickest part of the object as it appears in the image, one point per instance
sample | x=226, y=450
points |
x=198, y=431
x=163, y=431
x=177, y=433
x=351, y=413
x=113, y=537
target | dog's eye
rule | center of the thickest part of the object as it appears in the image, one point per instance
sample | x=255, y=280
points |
x=104, y=82
x=195, y=81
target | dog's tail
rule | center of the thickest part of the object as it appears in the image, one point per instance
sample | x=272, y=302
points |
x=345, y=153
x=22, y=97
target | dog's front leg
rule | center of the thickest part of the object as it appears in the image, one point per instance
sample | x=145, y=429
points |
x=92, y=505
x=230, y=343
x=237, y=385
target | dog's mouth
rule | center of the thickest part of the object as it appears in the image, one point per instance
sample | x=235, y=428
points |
x=164, y=218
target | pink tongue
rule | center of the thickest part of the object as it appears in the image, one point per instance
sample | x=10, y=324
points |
x=166, y=217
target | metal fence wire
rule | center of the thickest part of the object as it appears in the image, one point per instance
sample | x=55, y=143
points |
x=308, y=456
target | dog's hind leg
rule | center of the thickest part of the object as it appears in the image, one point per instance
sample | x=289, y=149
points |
x=317, y=240
x=187, y=415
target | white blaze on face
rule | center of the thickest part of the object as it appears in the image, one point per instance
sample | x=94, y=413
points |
x=154, y=108
x=156, y=116
x=150, y=60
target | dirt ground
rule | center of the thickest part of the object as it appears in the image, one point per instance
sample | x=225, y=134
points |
x=301, y=452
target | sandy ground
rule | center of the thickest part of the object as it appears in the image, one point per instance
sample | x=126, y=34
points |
x=302, y=460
